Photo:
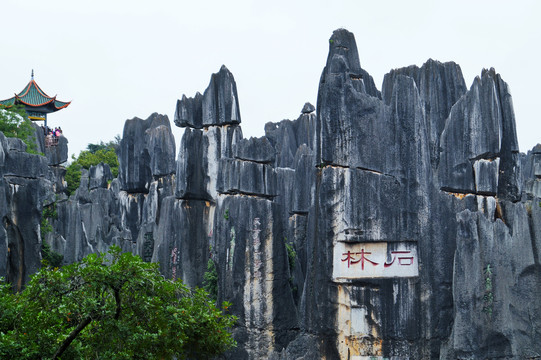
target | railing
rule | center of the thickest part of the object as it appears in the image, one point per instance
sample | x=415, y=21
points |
x=51, y=140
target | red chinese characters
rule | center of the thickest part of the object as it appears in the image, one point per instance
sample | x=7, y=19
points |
x=405, y=258
x=352, y=259
x=374, y=260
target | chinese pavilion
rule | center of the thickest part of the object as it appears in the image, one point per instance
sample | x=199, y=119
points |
x=36, y=102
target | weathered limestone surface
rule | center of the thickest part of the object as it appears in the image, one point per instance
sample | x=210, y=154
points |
x=485, y=260
x=439, y=86
x=287, y=136
x=147, y=150
x=58, y=154
x=219, y=104
x=123, y=211
x=182, y=244
x=531, y=172
x=192, y=180
x=426, y=165
x=255, y=149
x=26, y=184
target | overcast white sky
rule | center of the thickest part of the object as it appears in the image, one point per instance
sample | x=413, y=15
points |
x=120, y=59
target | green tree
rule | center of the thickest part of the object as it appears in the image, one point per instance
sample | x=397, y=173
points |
x=110, y=306
x=73, y=176
x=15, y=123
x=210, y=280
x=114, y=144
x=95, y=154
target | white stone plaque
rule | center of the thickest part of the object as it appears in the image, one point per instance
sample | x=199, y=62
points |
x=374, y=260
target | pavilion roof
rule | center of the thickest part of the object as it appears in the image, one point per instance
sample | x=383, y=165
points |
x=32, y=96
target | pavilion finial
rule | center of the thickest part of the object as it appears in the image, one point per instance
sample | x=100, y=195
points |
x=32, y=74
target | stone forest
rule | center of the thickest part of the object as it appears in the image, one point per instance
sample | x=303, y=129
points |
x=394, y=224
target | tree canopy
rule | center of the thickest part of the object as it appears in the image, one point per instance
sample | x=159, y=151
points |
x=93, y=155
x=113, y=144
x=110, y=306
x=15, y=123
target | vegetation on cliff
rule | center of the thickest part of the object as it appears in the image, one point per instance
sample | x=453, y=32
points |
x=110, y=306
x=93, y=155
x=15, y=123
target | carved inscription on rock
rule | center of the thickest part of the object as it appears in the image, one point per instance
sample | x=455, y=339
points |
x=374, y=260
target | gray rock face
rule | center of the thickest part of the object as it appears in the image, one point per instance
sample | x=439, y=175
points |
x=246, y=177
x=350, y=112
x=18, y=163
x=147, y=149
x=161, y=147
x=99, y=176
x=531, y=170
x=255, y=149
x=488, y=311
x=57, y=154
x=308, y=108
x=218, y=105
x=183, y=255
x=378, y=165
x=400, y=225
x=189, y=112
x=220, y=102
x=287, y=136
x=25, y=186
x=343, y=59
x=477, y=123
x=440, y=85
x=192, y=181
x=253, y=270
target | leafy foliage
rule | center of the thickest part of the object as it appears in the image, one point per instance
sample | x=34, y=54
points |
x=210, y=280
x=488, y=298
x=49, y=212
x=95, y=154
x=291, y=260
x=73, y=176
x=15, y=123
x=291, y=256
x=113, y=144
x=45, y=227
x=110, y=306
x=50, y=258
x=108, y=156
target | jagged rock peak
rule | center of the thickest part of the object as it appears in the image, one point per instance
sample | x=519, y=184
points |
x=218, y=105
x=342, y=43
x=308, y=108
x=491, y=72
x=154, y=120
x=440, y=85
x=220, y=100
x=536, y=149
x=343, y=62
x=480, y=129
x=147, y=149
x=433, y=76
x=188, y=111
